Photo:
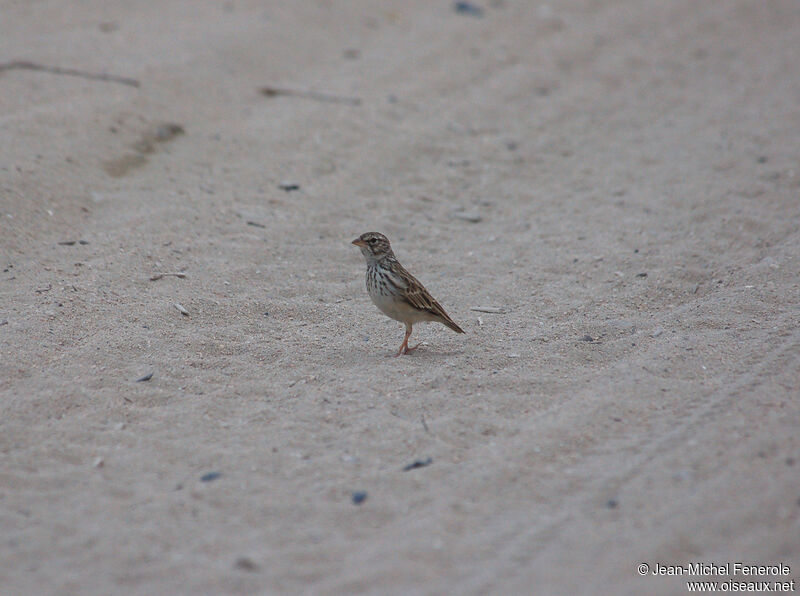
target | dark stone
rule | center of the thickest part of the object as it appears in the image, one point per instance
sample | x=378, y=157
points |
x=468, y=8
x=420, y=463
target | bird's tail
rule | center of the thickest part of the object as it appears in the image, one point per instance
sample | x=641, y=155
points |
x=446, y=320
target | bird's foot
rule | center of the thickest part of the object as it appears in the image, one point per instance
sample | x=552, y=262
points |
x=405, y=349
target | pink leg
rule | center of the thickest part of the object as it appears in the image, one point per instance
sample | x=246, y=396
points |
x=404, y=349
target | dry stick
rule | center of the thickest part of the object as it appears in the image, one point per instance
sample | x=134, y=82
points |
x=495, y=310
x=159, y=275
x=72, y=72
x=273, y=92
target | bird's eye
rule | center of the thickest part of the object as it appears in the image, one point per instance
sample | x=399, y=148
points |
x=372, y=240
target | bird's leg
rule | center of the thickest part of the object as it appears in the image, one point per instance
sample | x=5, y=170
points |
x=404, y=349
x=404, y=346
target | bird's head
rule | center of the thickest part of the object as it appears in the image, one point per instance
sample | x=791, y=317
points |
x=374, y=246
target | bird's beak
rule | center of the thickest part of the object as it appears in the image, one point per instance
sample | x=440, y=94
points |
x=359, y=242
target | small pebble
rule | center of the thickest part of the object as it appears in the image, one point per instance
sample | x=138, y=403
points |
x=612, y=504
x=147, y=377
x=289, y=186
x=513, y=355
x=469, y=216
x=657, y=332
x=98, y=462
x=245, y=564
x=419, y=463
x=210, y=476
x=181, y=309
x=643, y=274
x=359, y=497
x=167, y=132
x=255, y=224
x=468, y=8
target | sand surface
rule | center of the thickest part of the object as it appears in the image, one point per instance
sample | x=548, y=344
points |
x=634, y=167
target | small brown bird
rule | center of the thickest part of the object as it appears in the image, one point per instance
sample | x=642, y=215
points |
x=396, y=292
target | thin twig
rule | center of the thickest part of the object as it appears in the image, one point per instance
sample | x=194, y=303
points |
x=495, y=310
x=315, y=95
x=160, y=274
x=72, y=72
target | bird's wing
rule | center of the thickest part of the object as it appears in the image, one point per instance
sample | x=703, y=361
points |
x=418, y=297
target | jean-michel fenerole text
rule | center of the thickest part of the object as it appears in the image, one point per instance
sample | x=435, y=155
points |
x=721, y=569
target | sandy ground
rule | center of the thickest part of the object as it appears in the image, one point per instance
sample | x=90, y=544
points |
x=635, y=169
